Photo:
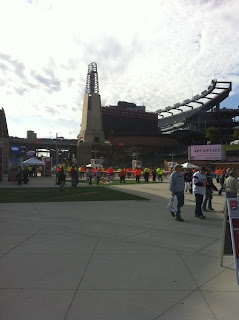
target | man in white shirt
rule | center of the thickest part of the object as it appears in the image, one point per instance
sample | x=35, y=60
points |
x=199, y=189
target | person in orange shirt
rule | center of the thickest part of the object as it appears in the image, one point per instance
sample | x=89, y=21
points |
x=224, y=171
x=218, y=173
x=137, y=173
x=122, y=175
x=82, y=172
x=74, y=176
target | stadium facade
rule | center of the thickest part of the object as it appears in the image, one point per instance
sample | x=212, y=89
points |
x=195, y=115
x=4, y=144
x=127, y=118
x=187, y=121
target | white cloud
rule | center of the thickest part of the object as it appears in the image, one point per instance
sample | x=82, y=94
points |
x=155, y=52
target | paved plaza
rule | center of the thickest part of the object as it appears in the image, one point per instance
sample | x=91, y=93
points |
x=114, y=260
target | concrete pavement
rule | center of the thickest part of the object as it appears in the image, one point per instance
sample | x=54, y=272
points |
x=114, y=260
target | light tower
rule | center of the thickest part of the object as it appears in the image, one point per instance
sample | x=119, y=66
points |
x=92, y=81
x=91, y=125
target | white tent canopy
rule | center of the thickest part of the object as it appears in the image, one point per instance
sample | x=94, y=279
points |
x=189, y=165
x=33, y=162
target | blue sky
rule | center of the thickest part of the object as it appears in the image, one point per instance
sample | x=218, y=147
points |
x=231, y=102
x=151, y=52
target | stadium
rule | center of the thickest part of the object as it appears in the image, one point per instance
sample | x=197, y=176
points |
x=194, y=116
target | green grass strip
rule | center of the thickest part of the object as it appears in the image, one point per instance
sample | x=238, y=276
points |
x=21, y=195
x=116, y=182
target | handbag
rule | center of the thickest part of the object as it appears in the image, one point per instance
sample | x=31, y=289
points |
x=173, y=204
x=188, y=185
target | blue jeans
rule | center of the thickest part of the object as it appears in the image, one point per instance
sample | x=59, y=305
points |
x=208, y=198
x=74, y=181
x=221, y=188
x=90, y=179
x=180, y=197
x=199, y=200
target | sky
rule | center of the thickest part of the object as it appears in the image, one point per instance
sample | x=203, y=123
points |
x=149, y=52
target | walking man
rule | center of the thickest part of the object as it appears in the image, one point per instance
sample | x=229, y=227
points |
x=231, y=185
x=90, y=175
x=61, y=179
x=208, y=196
x=137, y=173
x=74, y=176
x=122, y=175
x=199, y=189
x=176, y=186
x=97, y=174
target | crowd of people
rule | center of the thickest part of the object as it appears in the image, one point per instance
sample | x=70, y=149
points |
x=200, y=183
x=197, y=182
x=76, y=173
x=156, y=174
x=23, y=174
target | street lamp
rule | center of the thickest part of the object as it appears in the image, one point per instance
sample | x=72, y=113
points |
x=56, y=152
x=135, y=155
x=172, y=154
x=95, y=151
x=57, y=138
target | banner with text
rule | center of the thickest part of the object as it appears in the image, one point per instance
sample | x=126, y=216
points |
x=207, y=152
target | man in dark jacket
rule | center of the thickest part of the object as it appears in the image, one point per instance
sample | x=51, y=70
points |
x=25, y=175
x=188, y=177
x=208, y=196
x=61, y=179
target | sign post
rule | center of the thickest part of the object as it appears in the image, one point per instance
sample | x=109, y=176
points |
x=1, y=161
x=233, y=215
x=226, y=248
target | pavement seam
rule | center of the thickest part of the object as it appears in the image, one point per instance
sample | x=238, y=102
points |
x=134, y=235
x=81, y=280
x=208, y=305
x=208, y=245
x=199, y=287
x=172, y=306
x=225, y=268
x=192, y=292
x=32, y=235
x=37, y=211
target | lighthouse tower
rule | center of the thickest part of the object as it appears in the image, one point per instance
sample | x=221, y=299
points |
x=91, y=125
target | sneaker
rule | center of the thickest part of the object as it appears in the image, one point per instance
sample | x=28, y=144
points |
x=201, y=216
x=211, y=209
x=205, y=210
x=172, y=214
x=179, y=219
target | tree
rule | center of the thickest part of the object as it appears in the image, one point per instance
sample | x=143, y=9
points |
x=236, y=134
x=213, y=134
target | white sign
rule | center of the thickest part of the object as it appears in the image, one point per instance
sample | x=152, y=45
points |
x=207, y=152
x=233, y=212
x=136, y=164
